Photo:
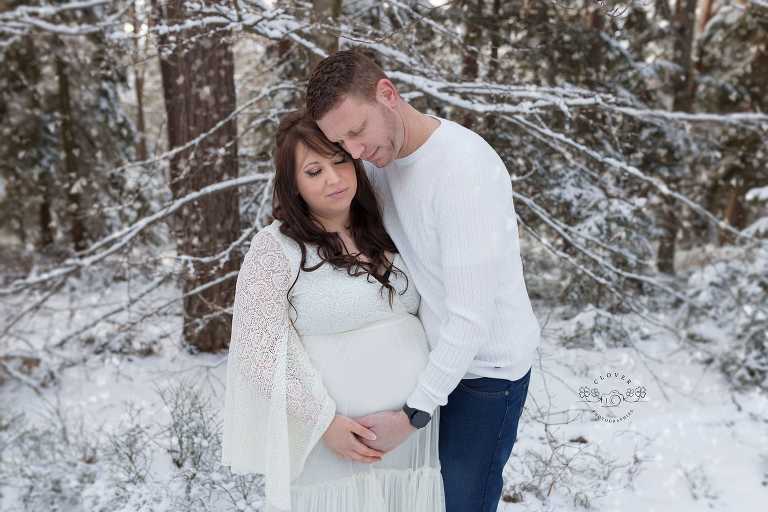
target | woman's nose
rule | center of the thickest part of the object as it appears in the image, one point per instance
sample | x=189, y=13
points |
x=331, y=176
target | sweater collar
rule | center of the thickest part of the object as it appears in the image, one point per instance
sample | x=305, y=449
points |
x=424, y=148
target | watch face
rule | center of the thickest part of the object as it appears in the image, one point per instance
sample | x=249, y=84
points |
x=420, y=419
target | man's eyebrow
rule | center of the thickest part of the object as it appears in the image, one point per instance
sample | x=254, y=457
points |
x=349, y=132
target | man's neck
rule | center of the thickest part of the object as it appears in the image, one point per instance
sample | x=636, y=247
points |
x=417, y=129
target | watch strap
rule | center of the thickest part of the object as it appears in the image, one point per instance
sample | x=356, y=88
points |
x=417, y=417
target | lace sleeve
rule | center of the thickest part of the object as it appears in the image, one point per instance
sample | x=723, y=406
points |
x=276, y=407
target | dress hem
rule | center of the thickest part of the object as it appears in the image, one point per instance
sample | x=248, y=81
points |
x=377, y=490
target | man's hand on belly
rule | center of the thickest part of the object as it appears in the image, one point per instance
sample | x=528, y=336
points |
x=391, y=429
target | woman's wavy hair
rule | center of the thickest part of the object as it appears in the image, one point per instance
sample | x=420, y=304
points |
x=366, y=225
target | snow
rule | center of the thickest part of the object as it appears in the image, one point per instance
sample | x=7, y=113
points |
x=757, y=194
x=757, y=228
x=693, y=445
x=691, y=435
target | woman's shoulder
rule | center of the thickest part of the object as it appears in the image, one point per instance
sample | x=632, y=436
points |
x=267, y=263
x=270, y=240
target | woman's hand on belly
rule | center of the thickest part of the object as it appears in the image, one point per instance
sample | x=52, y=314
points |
x=341, y=438
x=390, y=427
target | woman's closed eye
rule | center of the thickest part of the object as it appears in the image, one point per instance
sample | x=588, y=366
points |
x=341, y=159
x=313, y=172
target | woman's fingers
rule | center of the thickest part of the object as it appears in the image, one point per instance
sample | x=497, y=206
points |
x=360, y=430
x=340, y=438
x=365, y=451
x=362, y=458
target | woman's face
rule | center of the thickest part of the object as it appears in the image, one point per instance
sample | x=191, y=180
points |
x=327, y=184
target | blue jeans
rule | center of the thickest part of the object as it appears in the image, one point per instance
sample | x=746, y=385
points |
x=478, y=427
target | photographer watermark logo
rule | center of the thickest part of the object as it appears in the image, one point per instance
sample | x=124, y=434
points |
x=613, y=396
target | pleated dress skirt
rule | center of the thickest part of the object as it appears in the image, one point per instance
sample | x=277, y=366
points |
x=365, y=371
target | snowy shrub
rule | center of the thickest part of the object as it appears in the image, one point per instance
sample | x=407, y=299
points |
x=128, y=449
x=146, y=462
x=49, y=467
x=193, y=430
x=595, y=328
x=700, y=485
x=731, y=324
x=106, y=342
x=575, y=467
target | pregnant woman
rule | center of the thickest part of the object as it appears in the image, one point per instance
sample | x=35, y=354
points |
x=323, y=332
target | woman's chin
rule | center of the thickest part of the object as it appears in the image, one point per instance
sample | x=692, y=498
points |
x=335, y=210
x=343, y=210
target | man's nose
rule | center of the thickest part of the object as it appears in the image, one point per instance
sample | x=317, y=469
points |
x=355, y=149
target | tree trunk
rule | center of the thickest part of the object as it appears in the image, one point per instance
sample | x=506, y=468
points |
x=470, y=69
x=497, y=25
x=711, y=195
x=44, y=211
x=712, y=204
x=683, y=24
x=73, y=179
x=198, y=86
x=325, y=11
x=21, y=76
x=138, y=83
x=735, y=213
x=706, y=14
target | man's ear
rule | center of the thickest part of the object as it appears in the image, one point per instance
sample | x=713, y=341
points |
x=386, y=92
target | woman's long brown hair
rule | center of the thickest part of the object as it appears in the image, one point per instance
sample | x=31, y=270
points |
x=366, y=225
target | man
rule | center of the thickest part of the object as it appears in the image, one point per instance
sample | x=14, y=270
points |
x=447, y=204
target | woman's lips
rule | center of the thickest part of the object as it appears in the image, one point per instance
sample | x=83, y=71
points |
x=338, y=192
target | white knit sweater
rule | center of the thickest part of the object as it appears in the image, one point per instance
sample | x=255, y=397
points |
x=448, y=208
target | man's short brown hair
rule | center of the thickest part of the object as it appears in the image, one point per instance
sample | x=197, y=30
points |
x=348, y=72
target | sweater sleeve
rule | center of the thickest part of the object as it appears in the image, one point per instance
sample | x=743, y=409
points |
x=276, y=406
x=473, y=221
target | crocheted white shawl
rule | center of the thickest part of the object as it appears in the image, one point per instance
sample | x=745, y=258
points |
x=276, y=408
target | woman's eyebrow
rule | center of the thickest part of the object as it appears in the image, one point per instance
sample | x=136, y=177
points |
x=308, y=164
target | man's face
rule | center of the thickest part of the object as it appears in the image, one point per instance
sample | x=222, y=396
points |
x=370, y=130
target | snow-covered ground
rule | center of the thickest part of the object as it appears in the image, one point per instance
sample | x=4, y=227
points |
x=691, y=445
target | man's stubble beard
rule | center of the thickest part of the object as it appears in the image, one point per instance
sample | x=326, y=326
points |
x=393, y=122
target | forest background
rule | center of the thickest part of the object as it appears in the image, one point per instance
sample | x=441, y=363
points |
x=135, y=167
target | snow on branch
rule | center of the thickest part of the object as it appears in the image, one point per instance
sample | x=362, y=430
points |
x=24, y=11
x=561, y=229
x=697, y=117
x=198, y=289
x=558, y=97
x=125, y=235
x=758, y=194
x=24, y=18
x=611, y=162
x=123, y=307
x=266, y=92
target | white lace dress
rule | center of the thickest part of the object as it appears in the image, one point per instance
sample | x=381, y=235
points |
x=336, y=348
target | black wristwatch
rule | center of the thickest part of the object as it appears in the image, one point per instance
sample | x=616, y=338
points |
x=418, y=419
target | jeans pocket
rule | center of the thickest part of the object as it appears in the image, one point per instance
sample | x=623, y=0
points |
x=486, y=387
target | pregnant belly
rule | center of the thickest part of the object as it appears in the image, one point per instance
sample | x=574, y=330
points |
x=371, y=369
